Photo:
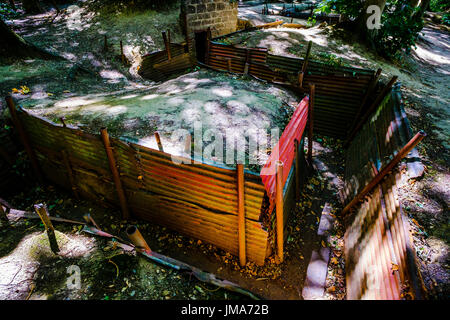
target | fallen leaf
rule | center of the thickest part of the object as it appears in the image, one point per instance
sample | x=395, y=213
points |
x=14, y=90
x=324, y=244
x=25, y=90
x=394, y=267
x=334, y=260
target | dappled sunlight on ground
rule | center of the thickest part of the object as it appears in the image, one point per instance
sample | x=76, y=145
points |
x=217, y=101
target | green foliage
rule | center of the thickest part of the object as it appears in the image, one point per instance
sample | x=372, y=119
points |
x=442, y=6
x=439, y=5
x=398, y=32
x=350, y=8
x=6, y=11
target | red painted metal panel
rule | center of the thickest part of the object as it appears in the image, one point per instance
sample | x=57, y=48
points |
x=284, y=150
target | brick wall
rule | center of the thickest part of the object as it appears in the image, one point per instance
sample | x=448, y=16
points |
x=220, y=15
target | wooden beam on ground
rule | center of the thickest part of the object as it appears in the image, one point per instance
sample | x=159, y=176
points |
x=115, y=174
x=279, y=211
x=41, y=210
x=24, y=138
x=380, y=175
x=241, y=215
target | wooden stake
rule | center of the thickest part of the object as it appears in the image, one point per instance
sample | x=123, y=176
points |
x=241, y=215
x=305, y=62
x=167, y=45
x=122, y=56
x=115, y=174
x=300, y=79
x=158, y=141
x=279, y=211
x=137, y=239
x=24, y=138
x=41, y=210
x=312, y=89
x=70, y=173
x=297, y=170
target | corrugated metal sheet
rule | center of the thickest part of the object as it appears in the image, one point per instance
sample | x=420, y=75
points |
x=339, y=90
x=284, y=150
x=380, y=263
x=156, y=66
x=198, y=200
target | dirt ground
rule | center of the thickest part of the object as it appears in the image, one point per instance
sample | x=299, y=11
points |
x=78, y=35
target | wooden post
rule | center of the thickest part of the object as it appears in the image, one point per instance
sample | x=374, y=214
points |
x=241, y=215
x=24, y=138
x=300, y=80
x=279, y=210
x=122, y=56
x=137, y=239
x=380, y=175
x=297, y=170
x=158, y=141
x=308, y=52
x=312, y=88
x=229, y=64
x=70, y=173
x=63, y=121
x=115, y=173
x=41, y=210
x=167, y=45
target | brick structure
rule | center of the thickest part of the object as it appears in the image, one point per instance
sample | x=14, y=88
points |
x=220, y=15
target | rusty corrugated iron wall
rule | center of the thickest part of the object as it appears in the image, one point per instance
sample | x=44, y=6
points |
x=198, y=200
x=339, y=90
x=380, y=263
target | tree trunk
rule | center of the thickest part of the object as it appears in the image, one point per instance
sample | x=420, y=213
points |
x=424, y=4
x=368, y=34
x=16, y=47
